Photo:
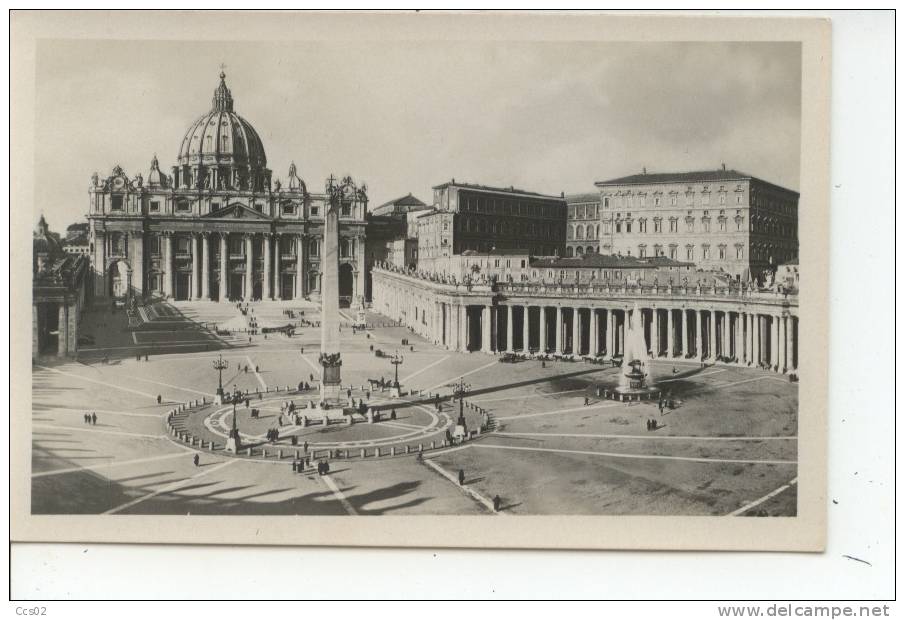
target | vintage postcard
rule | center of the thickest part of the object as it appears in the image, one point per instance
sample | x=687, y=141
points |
x=485, y=280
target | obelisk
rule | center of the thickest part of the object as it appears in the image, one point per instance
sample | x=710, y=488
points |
x=330, y=354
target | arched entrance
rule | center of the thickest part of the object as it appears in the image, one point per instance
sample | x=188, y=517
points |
x=346, y=288
x=120, y=278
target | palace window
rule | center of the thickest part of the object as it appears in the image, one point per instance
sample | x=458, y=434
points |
x=658, y=226
x=642, y=226
x=722, y=252
x=673, y=225
x=618, y=226
x=288, y=208
x=314, y=248
x=705, y=222
x=689, y=224
x=722, y=198
x=642, y=251
x=673, y=250
x=606, y=202
x=689, y=252
x=657, y=201
x=705, y=249
x=154, y=244
x=183, y=206
x=183, y=245
x=346, y=209
x=722, y=224
x=236, y=245
x=315, y=210
x=739, y=251
x=673, y=200
x=628, y=226
x=117, y=204
x=154, y=207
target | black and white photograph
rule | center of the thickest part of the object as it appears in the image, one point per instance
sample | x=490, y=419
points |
x=346, y=277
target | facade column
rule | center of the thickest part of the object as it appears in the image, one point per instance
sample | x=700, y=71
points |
x=486, y=332
x=699, y=335
x=542, y=333
x=265, y=280
x=576, y=331
x=739, y=352
x=300, y=267
x=168, y=274
x=224, y=267
x=205, y=267
x=275, y=291
x=711, y=345
x=196, y=268
x=559, y=328
x=594, y=334
x=526, y=328
x=510, y=344
x=62, y=330
x=462, y=324
x=249, y=267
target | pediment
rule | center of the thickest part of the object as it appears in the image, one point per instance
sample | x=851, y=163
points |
x=236, y=212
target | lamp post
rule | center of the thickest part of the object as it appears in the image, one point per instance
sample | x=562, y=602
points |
x=459, y=390
x=220, y=365
x=234, y=442
x=396, y=361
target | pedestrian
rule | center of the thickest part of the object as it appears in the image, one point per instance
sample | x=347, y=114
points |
x=461, y=477
x=349, y=393
x=311, y=377
x=301, y=386
x=247, y=401
x=196, y=459
x=85, y=418
x=326, y=467
x=586, y=401
x=138, y=357
x=496, y=503
x=305, y=447
x=146, y=357
x=295, y=466
x=93, y=418
x=393, y=414
x=543, y=364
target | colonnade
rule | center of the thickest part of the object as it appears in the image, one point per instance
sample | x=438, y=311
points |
x=750, y=333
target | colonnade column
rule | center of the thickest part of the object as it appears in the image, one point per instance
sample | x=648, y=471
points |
x=711, y=345
x=699, y=335
x=594, y=334
x=670, y=335
x=559, y=328
x=205, y=267
x=249, y=266
x=510, y=343
x=775, y=343
x=576, y=331
x=755, y=336
x=790, y=343
x=224, y=274
x=485, y=329
x=299, y=267
x=526, y=328
x=654, y=333
x=682, y=326
x=610, y=332
x=168, y=275
x=542, y=333
x=62, y=329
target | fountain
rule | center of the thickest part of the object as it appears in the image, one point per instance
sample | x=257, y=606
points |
x=635, y=373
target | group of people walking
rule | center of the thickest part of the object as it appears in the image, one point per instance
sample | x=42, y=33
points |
x=90, y=418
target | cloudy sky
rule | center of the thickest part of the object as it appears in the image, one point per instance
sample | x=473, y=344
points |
x=404, y=116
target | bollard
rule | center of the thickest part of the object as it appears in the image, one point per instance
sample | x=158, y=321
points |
x=248, y=452
x=433, y=445
x=264, y=452
x=363, y=453
x=407, y=448
x=377, y=452
x=443, y=444
x=279, y=454
x=420, y=447
x=392, y=450
x=296, y=455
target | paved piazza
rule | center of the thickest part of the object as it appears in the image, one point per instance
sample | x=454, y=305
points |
x=728, y=448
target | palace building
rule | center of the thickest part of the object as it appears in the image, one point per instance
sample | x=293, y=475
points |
x=583, y=232
x=219, y=227
x=721, y=220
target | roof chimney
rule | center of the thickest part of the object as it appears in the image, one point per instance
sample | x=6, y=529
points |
x=724, y=166
x=644, y=170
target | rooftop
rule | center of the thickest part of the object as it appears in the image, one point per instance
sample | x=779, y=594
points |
x=580, y=198
x=698, y=176
x=608, y=261
x=489, y=188
x=402, y=204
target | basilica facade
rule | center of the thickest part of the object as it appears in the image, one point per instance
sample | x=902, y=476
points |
x=220, y=227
